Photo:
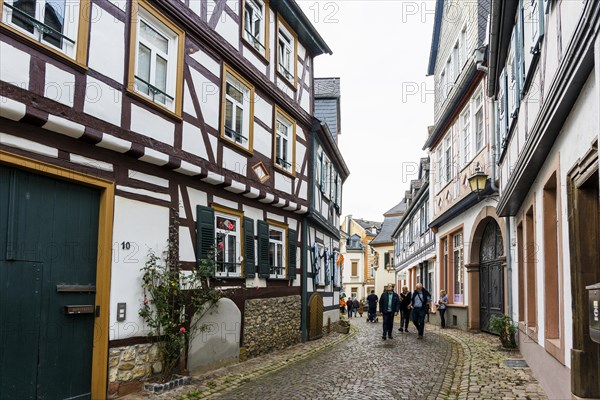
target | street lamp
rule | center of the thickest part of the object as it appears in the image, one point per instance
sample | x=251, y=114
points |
x=478, y=180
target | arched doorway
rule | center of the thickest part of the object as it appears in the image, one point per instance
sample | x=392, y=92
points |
x=491, y=274
x=315, y=316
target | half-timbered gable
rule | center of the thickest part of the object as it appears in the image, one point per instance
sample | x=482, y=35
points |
x=172, y=111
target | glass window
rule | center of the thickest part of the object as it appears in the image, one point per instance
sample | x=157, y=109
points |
x=458, y=268
x=285, y=55
x=228, y=249
x=478, y=122
x=254, y=23
x=284, y=143
x=237, y=118
x=466, y=135
x=448, y=158
x=277, y=252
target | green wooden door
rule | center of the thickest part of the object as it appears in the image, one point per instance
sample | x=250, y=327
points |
x=48, y=249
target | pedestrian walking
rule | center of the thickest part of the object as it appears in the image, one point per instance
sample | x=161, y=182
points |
x=349, y=306
x=442, y=302
x=355, y=306
x=405, y=298
x=372, y=301
x=419, y=304
x=361, y=308
x=342, y=306
x=389, y=304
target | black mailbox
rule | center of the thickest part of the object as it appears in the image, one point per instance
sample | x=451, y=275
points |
x=594, y=311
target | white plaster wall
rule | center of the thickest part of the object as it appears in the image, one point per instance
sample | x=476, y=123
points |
x=186, y=246
x=188, y=104
x=192, y=141
x=303, y=192
x=209, y=97
x=131, y=224
x=217, y=344
x=152, y=125
x=197, y=197
x=224, y=202
x=285, y=88
x=154, y=180
x=263, y=141
x=283, y=182
x=207, y=62
x=253, y=213
x=257, y=62
x=234, y=161
x=229, y=29
x=59, y=85
x=305, y=101
x=107, y=42
x=263, y=110
x=15, y=72
x=102, y=101
x=579, y=131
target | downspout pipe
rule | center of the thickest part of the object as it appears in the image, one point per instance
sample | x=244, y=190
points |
x=304, y=296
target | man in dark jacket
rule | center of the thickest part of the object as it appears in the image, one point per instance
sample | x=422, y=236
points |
x=372, y=300
x=389, y=304
x=419, y=305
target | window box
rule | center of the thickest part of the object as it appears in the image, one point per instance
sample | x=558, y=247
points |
x=59, y=27
x=156, y=53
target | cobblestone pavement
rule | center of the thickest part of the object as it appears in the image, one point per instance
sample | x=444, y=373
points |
x=446, y=364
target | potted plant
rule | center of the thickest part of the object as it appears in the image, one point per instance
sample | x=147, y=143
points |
x=504, y=326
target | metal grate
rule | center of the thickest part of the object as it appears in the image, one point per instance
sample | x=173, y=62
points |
x=516, y=363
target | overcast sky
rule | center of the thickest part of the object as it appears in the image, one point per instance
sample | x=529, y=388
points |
x=380, y=52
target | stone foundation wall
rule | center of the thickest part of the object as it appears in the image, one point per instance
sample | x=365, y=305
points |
x=271, y=324
x=129, y=365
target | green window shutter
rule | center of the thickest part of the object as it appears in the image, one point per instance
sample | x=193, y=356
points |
x=205, y=231
x=249, y=267
x=386, y=259
x=263, y=249
x=292, y=248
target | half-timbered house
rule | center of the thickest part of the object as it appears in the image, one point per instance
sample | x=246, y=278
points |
x=117, y=118
x=323, y=277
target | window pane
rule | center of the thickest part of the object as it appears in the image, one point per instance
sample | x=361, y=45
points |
x=234, y=93
x=278, y=147
x=28, y=7
x=280, y=256
x=228, y=116
x=231, y=249
x=154, y=38
x=239, y=115
x=272, y=254
x=143, y=68
x=284, y=143
x=275, y=235
x=161, y=78
x=54, y=17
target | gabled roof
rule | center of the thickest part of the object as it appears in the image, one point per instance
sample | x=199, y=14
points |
x=435, y=40
x=367, y=224
x=398, y=209
x=295, y=17
x=387, y=228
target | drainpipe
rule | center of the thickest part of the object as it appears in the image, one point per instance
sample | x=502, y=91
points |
x=304, y=279
x=508, y=267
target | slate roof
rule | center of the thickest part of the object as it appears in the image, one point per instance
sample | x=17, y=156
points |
x=399, y=208
x=387, y=228
x=368, y=224
x=327, y=88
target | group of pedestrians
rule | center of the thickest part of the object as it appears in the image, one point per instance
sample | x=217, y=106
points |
x=353, y=306
x=410, y=305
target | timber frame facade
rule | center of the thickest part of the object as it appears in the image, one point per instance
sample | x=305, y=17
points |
x=173, y=110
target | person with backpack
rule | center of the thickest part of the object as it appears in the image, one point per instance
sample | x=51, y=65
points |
x=372, y=301
x=405, y=298
x=419, y=304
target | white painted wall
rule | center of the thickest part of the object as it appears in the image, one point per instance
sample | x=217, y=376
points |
x=107, y=43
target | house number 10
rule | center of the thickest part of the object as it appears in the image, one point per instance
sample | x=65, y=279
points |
x=125, y=245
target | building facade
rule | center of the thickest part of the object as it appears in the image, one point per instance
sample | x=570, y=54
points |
x=118, y=119
x=383, y=244
x=468, y=230
x=414, y=241
x=323, y=278
x=358, y=275
x=543, y=78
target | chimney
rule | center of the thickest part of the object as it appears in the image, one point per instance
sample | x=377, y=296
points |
x=349, y=223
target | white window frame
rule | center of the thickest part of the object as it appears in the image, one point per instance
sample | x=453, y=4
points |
x=255, y=15
x=465, y=125
x=478, y=109
x=71, y=21
x=440, y=163
x=278, y=271
x=284, y=158
x=456, y=61
x=230, y=268
x=243, y=138
x=171, y=57
x=326, y=176
x=448, y=157
x=463, y=47
x=286, y=53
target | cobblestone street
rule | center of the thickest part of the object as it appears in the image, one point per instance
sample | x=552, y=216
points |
x=449, y=364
